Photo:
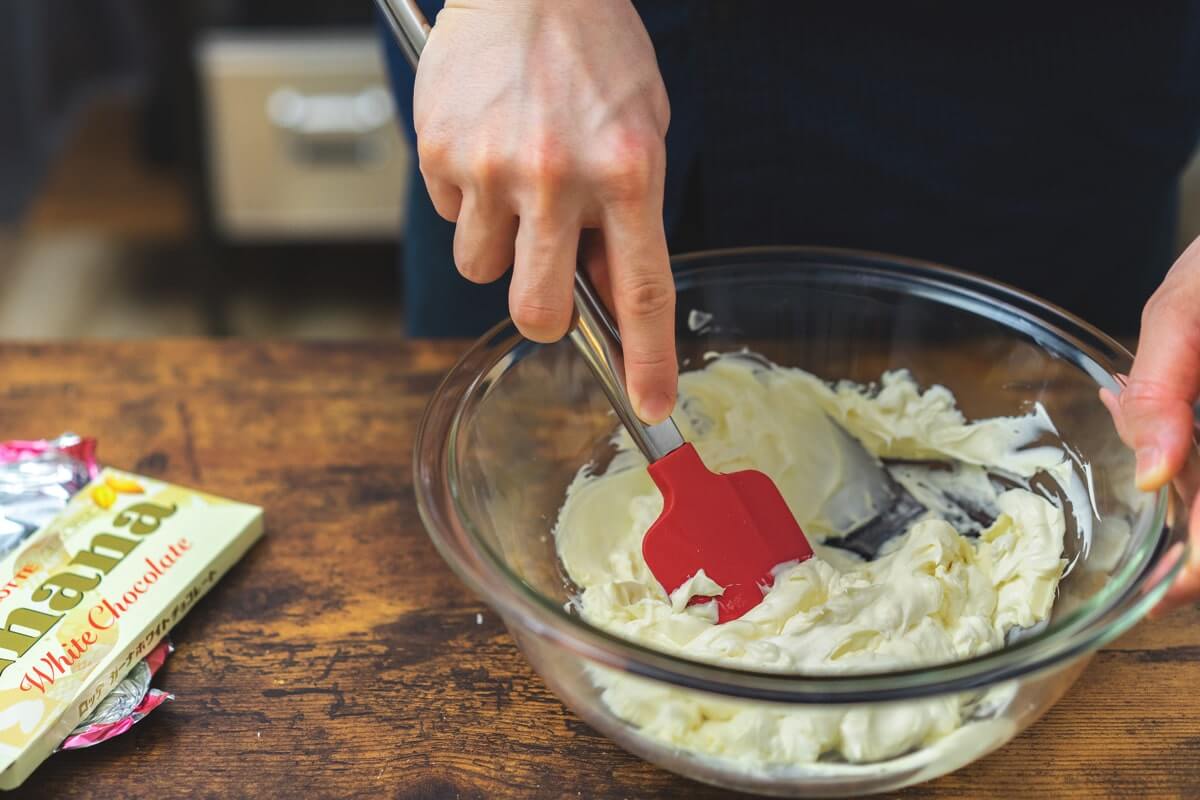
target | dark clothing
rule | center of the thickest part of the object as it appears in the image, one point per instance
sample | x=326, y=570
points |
x=1039, y=144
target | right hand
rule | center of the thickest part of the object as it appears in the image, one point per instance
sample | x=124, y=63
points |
x=537, y=119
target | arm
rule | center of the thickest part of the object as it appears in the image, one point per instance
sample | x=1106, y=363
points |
x=538, y=120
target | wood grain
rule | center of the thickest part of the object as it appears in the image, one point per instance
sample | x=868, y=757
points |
x=342, y=658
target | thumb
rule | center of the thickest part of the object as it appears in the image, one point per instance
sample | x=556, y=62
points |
x=1156, y=417
x=1157, y=420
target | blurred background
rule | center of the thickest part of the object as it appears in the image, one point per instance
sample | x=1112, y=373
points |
x=197, y=167
x=207, y=167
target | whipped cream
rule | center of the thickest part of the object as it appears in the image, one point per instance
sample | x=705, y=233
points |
x=932, y=596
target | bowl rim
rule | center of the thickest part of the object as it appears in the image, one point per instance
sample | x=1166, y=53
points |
x=1143, y=580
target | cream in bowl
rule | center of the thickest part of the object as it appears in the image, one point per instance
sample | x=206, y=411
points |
x=934, y=593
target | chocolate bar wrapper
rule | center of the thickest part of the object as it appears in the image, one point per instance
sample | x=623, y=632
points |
x=37, y=478
x=92, y=592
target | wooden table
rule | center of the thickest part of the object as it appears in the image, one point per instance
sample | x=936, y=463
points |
x=342, y=658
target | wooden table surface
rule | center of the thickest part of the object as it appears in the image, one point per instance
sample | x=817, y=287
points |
x=342, y=658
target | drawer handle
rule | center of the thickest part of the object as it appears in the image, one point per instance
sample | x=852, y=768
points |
x=351, y=114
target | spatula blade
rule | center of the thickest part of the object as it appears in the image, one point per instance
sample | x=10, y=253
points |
x=736, y=527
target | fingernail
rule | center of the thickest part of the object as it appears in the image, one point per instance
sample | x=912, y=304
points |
x=1151, y=469
x=655, y=408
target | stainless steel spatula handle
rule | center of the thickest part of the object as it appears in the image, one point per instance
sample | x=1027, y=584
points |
x=408, y=24
x=593, y=331
x=595, y=335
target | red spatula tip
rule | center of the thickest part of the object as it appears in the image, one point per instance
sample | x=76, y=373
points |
x=736, y=527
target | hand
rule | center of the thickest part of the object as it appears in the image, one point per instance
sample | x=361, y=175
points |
x=1154, y=413
x=535, y=120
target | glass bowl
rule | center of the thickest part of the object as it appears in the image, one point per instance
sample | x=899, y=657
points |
x=514, y=421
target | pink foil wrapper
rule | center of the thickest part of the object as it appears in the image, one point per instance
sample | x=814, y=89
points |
x=37, y=478
x=81, y=449
x=127, y=704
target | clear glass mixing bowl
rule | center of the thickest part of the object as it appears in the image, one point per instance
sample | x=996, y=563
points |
x=514, y=421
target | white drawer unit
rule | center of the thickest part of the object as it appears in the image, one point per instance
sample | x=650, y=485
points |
x=302, y=138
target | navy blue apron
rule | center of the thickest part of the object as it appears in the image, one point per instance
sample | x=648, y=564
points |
x=1037, y=143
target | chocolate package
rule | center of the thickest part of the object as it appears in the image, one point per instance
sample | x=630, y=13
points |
x=115, y=560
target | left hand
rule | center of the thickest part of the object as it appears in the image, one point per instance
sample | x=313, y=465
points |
x=1154, y=413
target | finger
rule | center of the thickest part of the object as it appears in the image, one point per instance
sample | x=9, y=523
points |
x=435, y=162
x=1185, y=590
x=483, y=239
x=639, y=272
x=540, y=296
x=594, y=256
x=447, y=198
x=1156, y=405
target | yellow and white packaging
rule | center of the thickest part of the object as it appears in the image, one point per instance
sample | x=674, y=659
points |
x=88, y=595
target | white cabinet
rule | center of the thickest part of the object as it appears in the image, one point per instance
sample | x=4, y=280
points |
x=302, y=138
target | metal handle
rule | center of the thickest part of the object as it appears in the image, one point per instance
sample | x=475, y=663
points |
x=408, y=24
x=596, y=337
x=329, y=114
x=594, y=333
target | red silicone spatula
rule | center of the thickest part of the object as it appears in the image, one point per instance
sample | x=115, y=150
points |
x=736, y=527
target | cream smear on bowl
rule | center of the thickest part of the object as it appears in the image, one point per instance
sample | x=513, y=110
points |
x=931, y=595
